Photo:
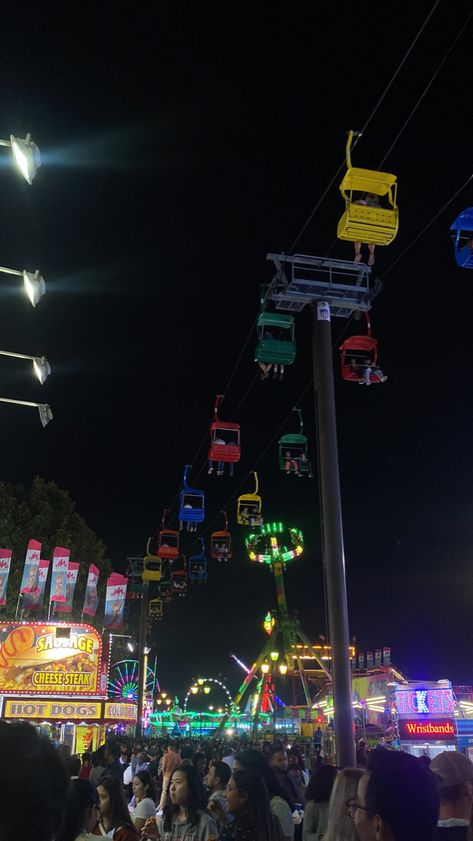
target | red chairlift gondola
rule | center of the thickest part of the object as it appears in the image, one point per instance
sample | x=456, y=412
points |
x=221, y=543
x=179, y=576
x=359, y=359
x=168, y=541
x=224, y=442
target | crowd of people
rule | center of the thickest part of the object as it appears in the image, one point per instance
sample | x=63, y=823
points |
x=211, y=791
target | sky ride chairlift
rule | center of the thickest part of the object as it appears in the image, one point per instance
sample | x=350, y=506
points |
x=249, y=507
x=168, y=541
x=362, y=223
x=294, y=452
x=155, y=608
x=191, y=505
x=179, y=577
x=276, y=342
x=462, y=235
x=224, y=442
x=198, y=566
x=359, y=359
x=221, y=543
x=152, y=566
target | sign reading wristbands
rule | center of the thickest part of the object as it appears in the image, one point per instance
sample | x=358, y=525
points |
x=435, y=729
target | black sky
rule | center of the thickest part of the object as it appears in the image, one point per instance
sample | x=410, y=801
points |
x=180, y=145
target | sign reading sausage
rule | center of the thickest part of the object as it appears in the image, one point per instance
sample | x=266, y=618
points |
x=49, y=659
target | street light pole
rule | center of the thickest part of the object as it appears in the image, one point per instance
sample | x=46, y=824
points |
x=334, y=557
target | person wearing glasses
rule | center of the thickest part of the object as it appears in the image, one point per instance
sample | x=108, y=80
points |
x=340, y=824
x=397, y=799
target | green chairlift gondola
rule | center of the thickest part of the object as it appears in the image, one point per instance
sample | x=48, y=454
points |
x=276, y=342
x=294, y=452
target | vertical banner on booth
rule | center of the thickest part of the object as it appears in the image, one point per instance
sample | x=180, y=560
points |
x=34, y=601
x=91, y=598
x=5, y=564
x=59, y=574
x=71, y=579
x=115, y=601
x=29, y=582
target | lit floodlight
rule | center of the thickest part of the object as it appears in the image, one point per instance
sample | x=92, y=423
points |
x=45, y=413
x=26, y=156
x=130, y=646
x=42, y=368
x=34, y=285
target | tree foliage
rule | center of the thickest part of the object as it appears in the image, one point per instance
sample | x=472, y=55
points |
x=46, y=513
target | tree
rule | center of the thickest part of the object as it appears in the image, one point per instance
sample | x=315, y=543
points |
x=46, y=513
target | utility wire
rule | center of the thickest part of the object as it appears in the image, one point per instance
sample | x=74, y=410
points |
x=427, y=88
x=365, y=126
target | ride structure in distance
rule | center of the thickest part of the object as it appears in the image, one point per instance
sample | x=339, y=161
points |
x=276, y=545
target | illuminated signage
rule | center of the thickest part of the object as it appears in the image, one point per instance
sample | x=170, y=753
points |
x=414, y=702
x=121, y=712
x=49, y=659
x=435, y=729
x=51, y=709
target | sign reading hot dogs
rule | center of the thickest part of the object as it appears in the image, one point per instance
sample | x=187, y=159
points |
x=53, y=658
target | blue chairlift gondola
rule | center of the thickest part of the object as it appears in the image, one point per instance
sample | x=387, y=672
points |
x=198, y=566
x=462, y=235
x=191, y=505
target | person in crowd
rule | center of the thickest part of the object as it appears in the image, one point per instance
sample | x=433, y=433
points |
x=199, y=762
x=74, y=765
x=279, y=762
x=298, y=774
x=340, y=824
x=455, y=785
x=253, y=760
x=98, y=765
x=34, y=786
x=229, y=757
x=86, y=766
x=217, y=780
x=248, y=801
x=81, y=813
x=171, y=760
x=114, y=815
x=144, y=803
x=184, y=815
x=113, y=766
x=397, y=799
x=318, y=736
x=317, y=798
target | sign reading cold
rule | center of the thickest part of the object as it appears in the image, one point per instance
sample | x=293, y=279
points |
x=49, y=659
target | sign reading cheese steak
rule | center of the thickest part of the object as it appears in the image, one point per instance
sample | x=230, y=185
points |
x=51, y=658
x=436, y=729
x=37, y=708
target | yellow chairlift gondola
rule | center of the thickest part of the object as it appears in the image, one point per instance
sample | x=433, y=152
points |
x=152, y=566
x=249, y=507
x=362, y=222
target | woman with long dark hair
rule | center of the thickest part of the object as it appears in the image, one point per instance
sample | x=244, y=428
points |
x=145, y=799
x=253, y=760
x=115, y=816
x=248, y=800
x=184, y=812
x=317, y=797
x=81, y=812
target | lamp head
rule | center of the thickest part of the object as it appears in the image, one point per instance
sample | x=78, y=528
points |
x=34, y=286
x=26, y=156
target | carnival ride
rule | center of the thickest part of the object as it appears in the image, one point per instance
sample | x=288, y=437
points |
x=123, y=681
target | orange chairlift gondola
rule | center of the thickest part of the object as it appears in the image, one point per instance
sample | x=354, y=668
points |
x=224, y=442
x=359, y=359
x=221, y=543
x=168, y=541
x=179, y=576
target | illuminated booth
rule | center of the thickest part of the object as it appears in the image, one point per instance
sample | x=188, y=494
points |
x=53, y=675
x=425, y=714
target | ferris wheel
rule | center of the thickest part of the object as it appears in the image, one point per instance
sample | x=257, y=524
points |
x=123, y=681
x=204, y=686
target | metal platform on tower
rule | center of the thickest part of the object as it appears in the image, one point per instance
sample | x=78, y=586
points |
x=302, y=279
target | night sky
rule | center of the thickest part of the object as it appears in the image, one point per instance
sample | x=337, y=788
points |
x=180, y=145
